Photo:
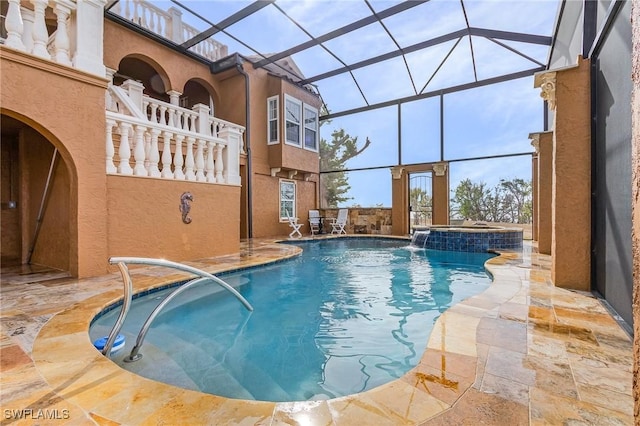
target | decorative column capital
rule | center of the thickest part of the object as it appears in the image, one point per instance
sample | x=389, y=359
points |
x=535, y=141
x=440, y=169
x=546, y=81
x=396, y=172
x=174, y=97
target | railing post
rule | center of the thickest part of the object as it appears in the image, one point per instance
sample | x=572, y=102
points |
x=204, y=127
x=209, y=165
x=62, y=10
x=89, y=35
x=28, y=18
x=174, y=99
x=154, y=154
x=200, y=176
x=138, y=153
x=124, y=151
x=14, y=26
x=189, y=162
x=231, y=155
x=177, y=158
x=175, y=33
x=166, y=156
x=134, y=89
x=219, y=163
x=111, y=168
x=40, y=35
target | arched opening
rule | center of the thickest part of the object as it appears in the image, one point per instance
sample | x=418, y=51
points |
x=196, y=93
x=35, y=197
x=132, y=68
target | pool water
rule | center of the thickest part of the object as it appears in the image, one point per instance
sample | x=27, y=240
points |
x=344, y=317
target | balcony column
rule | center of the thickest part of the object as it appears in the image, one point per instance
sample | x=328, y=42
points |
x=88, y=36
x=40, y=34
x=231, y=155
x=14, y=26
x=62, y=10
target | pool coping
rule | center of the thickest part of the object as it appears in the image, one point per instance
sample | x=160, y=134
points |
x=103, y=390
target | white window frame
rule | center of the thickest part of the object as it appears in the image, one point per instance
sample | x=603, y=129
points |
x=275, y=119
x=300, y=124
x=281, y=197
x=305, y=127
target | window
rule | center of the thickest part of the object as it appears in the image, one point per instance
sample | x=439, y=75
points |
x=287, y=199
x=310, y=128
x=292, y=119
x=272, y=120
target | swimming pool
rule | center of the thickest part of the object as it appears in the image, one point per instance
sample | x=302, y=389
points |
x=345, y=316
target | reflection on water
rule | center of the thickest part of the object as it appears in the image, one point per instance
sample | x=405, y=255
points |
x=344, y=317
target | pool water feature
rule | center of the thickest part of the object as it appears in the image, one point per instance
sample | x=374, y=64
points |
x=345, y=316
x=472, y=238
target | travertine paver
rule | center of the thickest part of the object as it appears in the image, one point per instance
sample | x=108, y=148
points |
x=522, y=352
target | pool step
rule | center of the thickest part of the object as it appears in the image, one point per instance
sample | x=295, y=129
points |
x=227, y=372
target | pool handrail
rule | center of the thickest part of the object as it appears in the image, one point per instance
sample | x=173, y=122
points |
x=122, y=262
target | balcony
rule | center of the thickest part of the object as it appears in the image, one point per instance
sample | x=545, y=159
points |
x=151, y=138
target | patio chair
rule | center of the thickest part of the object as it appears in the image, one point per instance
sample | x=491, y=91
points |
x=340, y=222
x=293, y=222
x=315, y=221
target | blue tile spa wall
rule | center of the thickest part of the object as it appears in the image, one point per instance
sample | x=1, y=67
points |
x=473, y=241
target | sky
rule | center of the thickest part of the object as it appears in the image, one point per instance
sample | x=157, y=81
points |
x=491, y=120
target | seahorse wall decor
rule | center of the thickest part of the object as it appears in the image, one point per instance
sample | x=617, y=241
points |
x=185, y=206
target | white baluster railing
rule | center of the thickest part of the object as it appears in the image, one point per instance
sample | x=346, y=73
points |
x=73, y=43
x=169, y=25
x=150, y=144
x=208, y=48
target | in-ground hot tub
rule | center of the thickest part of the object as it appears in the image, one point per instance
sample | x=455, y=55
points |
x=475, y=238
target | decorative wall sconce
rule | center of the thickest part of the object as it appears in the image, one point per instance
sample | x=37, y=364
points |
x=185, y=206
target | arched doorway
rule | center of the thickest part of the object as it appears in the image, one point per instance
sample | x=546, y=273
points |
x=35, y=199
x=133, y=68
x=195, y=93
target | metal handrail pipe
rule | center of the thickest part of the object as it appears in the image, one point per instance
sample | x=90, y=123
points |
x=181, y=267
x=126, y=304
x=135, y=355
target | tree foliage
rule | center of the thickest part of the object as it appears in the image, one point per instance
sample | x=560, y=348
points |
x=334, y=155
x=509, y=201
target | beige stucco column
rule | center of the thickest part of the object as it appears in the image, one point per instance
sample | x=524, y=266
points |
x=440, y=194
x=534, y=191
x=635, y=198
x=543, y=142
x=567, y=92
x=399, y=201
